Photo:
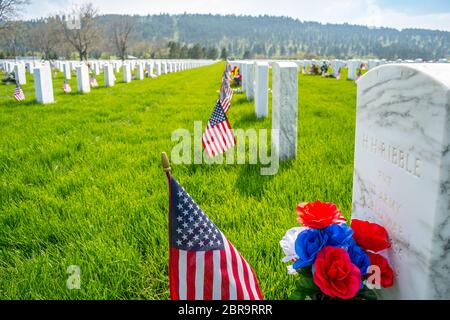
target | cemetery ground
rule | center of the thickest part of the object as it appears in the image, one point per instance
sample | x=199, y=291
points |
x=81, y=182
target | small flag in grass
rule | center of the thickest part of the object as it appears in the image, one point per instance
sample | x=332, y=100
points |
x=66, y=87
x=203, y=263
x=218, y=136
x=18, y=93
x=94, y=83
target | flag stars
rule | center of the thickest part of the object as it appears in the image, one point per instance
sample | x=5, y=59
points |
x=180, y=206
x=191, y=219
x=190, y=244
x=191, y=231
x=185, y=212
x=185, y=225
x=180, y=219
x=201, y=244
x=185, y=200
x=179, y=242
x=179, y=230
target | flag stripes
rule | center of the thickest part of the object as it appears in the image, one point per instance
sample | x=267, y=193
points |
x=203, y=264
x=212, y=275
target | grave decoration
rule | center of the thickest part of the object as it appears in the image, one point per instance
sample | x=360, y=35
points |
x=333, y=260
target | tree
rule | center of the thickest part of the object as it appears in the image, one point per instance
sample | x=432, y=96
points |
x=196, y=52
x=212, y=53
x=174, y=50
x=224, y=54
x=247, y=55
x=121, y=32
x=45, y=37
x=82, y=32
x=10, y=9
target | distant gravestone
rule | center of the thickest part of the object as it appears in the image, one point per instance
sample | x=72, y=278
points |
x=261, y=89
x=285, y=109
x=127, y=73
x=353, y=66
x=163, y=67
x=96, y=68
x=402, y=172
x=84, y=85
x=109, y=75
x=67, y=71
x=19, y=71
x=244, y=76
x=43, y=84
x=140, y=71
x=158, y=68
x=250, y=73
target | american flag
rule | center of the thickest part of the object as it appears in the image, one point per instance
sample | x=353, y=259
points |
x=218, y=136
x=94, y=83
x=203, y=264
x=66, y=87
x=226, y=94
x=18, y=93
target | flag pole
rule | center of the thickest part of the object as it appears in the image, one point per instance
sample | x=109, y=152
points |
x=168, y=171
x=166, y=164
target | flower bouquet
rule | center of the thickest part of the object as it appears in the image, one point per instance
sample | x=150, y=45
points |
x=333, y=260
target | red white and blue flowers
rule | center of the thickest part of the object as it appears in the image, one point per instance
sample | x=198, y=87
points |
x=332, y=258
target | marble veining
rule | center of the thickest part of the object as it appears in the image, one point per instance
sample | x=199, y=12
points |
x=406, y=107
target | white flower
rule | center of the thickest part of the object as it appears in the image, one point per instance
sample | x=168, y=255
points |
x=288, y=243
x=291, y=270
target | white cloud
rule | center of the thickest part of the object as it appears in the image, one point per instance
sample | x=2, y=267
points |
x=365, y=12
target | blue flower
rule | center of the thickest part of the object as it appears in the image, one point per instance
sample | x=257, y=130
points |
x=359, y=258
x=307, y=246
x=339, y=235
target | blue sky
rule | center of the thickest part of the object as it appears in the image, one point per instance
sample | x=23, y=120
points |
x=428, y=14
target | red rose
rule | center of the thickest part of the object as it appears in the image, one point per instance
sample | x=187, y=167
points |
x=335, y=275
x=387, y=274
x=318, y=215
x=370, y=236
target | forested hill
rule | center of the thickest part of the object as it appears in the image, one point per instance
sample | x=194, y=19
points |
x=281, y=36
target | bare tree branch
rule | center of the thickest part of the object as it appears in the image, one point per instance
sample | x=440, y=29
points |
x=84, y=36
x=121, y=33
x=9, y=10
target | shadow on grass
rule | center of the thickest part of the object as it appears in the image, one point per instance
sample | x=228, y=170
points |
x=250, y=182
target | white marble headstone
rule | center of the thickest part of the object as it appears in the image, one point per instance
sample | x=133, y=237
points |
x=67, y=71
x=19, y=71
x=402, y=172
x=109, y=75
x=140, y=71
x=250, y=73
x=285, y=109
x=43, y=84
x=261, y=89
x=127, y=73
x=84, y=85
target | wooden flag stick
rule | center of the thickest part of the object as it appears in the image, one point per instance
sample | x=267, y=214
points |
x=166, y=164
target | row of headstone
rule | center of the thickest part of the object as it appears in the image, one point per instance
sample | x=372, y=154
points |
x=401, y=165
x=42, y=72
x=255, y=83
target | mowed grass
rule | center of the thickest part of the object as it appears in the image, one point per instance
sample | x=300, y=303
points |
x=81, y=183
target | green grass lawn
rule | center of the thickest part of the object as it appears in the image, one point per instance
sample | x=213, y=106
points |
x=81, y=183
